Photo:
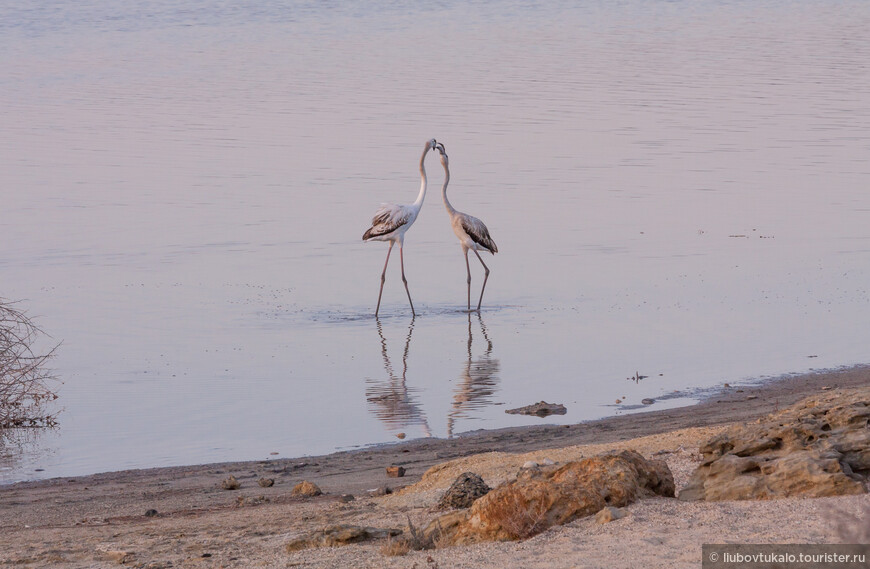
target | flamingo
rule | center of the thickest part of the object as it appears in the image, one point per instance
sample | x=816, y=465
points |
x=390, y=223
x=472, y=232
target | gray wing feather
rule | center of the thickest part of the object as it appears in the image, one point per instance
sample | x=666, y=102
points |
x=478, y=233
x=387, y=219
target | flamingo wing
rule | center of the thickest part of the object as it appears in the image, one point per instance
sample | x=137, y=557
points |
x=478, y=232
x=387, y=219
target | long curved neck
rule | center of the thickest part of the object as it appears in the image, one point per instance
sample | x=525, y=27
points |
x=447, y=205
x=422, y=193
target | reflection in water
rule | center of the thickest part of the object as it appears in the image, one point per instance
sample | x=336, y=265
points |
x=478, y=380
x=391, y=400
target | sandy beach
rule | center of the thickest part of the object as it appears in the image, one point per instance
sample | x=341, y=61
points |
x=182, y=517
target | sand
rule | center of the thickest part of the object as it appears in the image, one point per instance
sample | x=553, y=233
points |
x=101, y=521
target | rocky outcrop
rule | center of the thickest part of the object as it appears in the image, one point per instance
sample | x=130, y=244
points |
x=548, y=496
x=819, y=447
x=337, y=535
x=467, y=488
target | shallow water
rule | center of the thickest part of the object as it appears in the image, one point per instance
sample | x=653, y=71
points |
x=677, y=189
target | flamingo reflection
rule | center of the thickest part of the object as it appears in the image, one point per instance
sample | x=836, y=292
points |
x=391, y=400
x=478, y=381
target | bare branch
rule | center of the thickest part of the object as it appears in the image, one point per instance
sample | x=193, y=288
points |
x=25, y=383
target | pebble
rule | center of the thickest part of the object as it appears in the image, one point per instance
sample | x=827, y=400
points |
x=647, y=401
x=395, y=471
x=230, y=483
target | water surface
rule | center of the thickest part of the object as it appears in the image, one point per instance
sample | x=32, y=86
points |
x=678, y=190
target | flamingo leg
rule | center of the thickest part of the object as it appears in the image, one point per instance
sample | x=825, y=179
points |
x=468, y=268
x=485, y=276
x=383, y=278
x=404, y=280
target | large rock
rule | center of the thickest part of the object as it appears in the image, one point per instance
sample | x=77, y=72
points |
x=337, y=535
x=467, y=488
x=819, y=447
x=544, y=497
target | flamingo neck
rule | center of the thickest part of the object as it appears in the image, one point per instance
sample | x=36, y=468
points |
x=422, y=193
x=447, y=205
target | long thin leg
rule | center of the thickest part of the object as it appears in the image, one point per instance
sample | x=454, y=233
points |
x=468, y=268
x=404, y=280
x=383, y=278
x=485, y=276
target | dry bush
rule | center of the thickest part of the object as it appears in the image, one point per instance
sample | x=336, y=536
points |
x=25, y=383
x=396, y=547
x=411, y=540
x=520, y=517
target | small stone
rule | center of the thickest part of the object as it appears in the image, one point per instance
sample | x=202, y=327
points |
x=826, y=388
x=230, y=483
x=119, y=557
x=266, y=482
x=243, y=501
x=400, y=435
x=346, y=498
x=306, y=488
x=727, y=385
x=608, y=514
x=380, y=491
x=647, y=401
x=618, y=401
x=547, y=462
x=395, y=471
x=530, y=464
x=151, y=513
x=751, y=397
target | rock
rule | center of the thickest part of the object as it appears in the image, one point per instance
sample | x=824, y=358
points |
x=306, y=488
x=400, y=435
x=554, y=495
x=395, y=471
x=266, y=482
x=345, y=498
x=151, y=513
x=818, y=447
x=230, y=483
x=647, y=401
x=541, y=409
x=242, y=501
x=608, y=514
x=530, y=464
x=380, y=491
x=467, y=488
x=337, y=535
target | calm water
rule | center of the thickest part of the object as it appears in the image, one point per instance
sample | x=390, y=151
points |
x=677, y=189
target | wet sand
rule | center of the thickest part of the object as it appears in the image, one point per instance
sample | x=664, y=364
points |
x=100, y=520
